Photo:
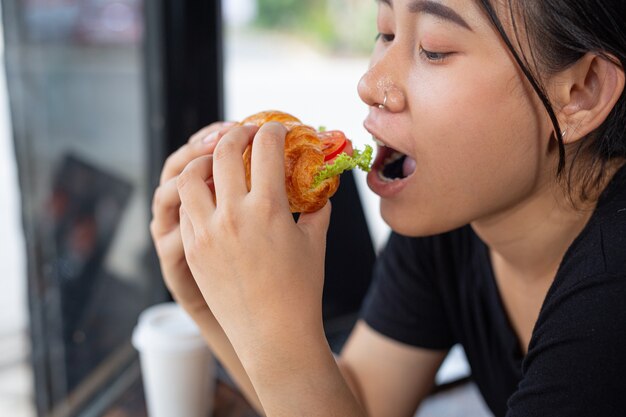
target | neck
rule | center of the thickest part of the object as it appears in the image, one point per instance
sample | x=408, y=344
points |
x=531, y=237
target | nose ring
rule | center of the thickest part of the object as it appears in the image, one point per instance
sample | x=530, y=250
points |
x=382, y=106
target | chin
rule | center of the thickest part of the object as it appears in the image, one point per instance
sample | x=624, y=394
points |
x=416, y=221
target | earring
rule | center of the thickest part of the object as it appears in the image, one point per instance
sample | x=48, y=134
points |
x=382, y=106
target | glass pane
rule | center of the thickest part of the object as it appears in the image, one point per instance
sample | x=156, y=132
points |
x=75, y=75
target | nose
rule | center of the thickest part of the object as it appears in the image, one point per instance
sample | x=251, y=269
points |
x=377, y=88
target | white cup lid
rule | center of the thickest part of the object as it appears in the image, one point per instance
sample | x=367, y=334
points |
x=166, y=327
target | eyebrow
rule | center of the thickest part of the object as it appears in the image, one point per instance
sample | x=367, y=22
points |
x=433, y=8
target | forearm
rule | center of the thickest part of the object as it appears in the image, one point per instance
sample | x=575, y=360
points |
x=224, y=352
x=299, y=376
x=351, y=381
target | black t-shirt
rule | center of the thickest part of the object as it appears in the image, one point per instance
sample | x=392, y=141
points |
x=437, y=291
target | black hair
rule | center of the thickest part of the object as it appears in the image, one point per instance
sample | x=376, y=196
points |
x=559, y=33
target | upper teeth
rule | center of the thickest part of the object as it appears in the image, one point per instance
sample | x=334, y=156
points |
x=394, y=156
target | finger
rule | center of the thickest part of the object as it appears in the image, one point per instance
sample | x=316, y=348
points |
x=315, y=225
x=203, y=143
x=170, y=248
x=195, y=196
x=229, y=174
x=268, y=162
x=186, y=230
x=165, y=204
x=206, y=132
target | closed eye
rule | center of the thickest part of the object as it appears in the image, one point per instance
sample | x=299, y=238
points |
x=434, y=56
x=385, y=37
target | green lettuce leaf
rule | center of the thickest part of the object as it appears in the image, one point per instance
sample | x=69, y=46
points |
x=344, y=162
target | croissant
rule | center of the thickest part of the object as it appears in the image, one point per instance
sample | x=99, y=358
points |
x=307, y=153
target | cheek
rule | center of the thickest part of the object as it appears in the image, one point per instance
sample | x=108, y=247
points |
x=478, y=149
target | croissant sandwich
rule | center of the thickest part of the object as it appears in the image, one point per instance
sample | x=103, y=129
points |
x=313, y=160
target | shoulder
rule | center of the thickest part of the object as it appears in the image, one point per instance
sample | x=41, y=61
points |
x=576, y=362
x=600, y=249
x=591, y=307
x=587, y=295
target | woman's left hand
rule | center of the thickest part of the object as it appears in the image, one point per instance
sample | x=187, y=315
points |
x=260, y=272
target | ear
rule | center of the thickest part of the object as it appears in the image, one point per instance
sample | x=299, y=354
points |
x=587, y=92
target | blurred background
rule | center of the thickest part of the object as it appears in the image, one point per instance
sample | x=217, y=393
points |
x=94, y=94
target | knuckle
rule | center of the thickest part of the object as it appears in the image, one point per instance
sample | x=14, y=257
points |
x=271, y=134
x=200, y=133
x=223, y=149
x=267, y=140
x=153, y=228
x=203, y=237
x=157, y=198
x=276, y=127
x=169, y=168
x=214, y=126
x=266, y=206
x=229, y=222
x=183, y=179
x=170, y=161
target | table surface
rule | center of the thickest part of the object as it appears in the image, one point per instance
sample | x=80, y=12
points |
x=457, y=398
x=228, y=402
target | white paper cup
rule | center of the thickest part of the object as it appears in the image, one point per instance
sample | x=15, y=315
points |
x=177, y=368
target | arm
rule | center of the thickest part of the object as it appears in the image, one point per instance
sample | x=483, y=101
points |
x=261, y=273
x=385, y=378
x=389, y=378
x=223, y=350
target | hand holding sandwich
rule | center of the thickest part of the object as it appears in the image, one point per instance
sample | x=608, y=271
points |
x=255, y=266
x=241, y=227
x=260, y=272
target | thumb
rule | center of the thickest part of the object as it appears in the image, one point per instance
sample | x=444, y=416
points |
x=315, y=224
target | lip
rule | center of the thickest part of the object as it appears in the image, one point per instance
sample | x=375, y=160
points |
x=381, y=187
x=386, y=189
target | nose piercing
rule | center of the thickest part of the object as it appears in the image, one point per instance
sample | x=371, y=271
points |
x=382, y=106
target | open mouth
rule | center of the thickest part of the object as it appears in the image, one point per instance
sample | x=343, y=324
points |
x=392, y=165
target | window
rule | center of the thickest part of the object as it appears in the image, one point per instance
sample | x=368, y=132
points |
x=77, y=95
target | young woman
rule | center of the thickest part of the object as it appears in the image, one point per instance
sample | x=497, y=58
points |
x=508, y=205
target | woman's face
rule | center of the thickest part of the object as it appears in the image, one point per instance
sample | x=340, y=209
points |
x=476, y=137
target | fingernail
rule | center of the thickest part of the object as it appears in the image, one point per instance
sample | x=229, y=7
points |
x=210, y=139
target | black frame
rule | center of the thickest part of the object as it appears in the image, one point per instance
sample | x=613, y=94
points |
x=183, y=70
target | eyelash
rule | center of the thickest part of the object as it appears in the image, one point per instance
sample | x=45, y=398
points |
x=434, y=57
x=385, y=37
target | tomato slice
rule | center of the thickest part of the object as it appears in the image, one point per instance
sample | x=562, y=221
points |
x=333, y=143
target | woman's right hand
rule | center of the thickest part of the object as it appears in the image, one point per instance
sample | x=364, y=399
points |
x=165, y=224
